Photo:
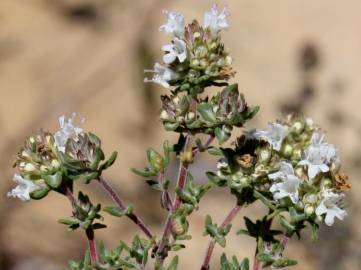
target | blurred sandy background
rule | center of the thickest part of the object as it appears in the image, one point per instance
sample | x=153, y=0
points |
x=88, y=56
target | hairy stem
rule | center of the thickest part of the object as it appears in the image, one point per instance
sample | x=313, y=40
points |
x=181, y=180
x=89, y=232
x=231, y=215
x=115, y=197
x=92, y=246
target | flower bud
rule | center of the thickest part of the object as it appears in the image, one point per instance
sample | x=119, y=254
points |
x=191, y=116
x=186, y=157
x=297, y=154
x=264, y=155
x=287, y=150
x=319, y=219
x=300, y=205
x=309, y=210
x=164, y=115
x=298, y=127
x=326, y=182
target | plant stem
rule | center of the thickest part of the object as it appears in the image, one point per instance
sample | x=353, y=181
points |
x=228, y=220
x=255, y=263
x=181, y=180
x=89, y=232
x=115, y=197
x=205, y=146
x=285, y=240
x=92, y=246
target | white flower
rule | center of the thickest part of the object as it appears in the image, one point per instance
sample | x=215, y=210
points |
x=274, y=135
x=23, y=189
x=67, y=130
x=329, y=205
x=289, y=185
x=215, y=20
x=176, y=50
x=162, y=75
x=318, y=157
x=175, y=24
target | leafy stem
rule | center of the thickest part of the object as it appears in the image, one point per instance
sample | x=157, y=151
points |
x=116, y=198
x=89, y=231
x=231, y=215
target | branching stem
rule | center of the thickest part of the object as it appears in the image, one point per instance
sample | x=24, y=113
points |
x=227, y=220
x=115, y=197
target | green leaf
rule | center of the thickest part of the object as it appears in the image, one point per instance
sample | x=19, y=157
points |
x=244, y=264
x=144, y=173
x=264, y=200
x=251, y=112
x=40, y=193
x=284, y=262
x=110, y=161
x=117, y=211
x=222, y=134
x=155, y=160
x=54, y=180
x=173, y=264
x=154, y=184
x=215, y=151
x=207, y=113
x=69, y=221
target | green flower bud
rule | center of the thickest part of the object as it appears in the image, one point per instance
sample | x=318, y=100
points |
x=287, y=150
x=300, y=205
x=298, y=127
x=309, y=210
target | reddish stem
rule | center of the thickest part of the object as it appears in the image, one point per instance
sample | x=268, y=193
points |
x=227, y=220
x=285, y=240
x=89, y=232
x=92, y=246
x=255, y=263
x=181, y=180
x=133, y=217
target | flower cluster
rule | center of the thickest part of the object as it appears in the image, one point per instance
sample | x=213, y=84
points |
x=47, y=160
x=219, y=115
x=196, y=57
x=290, y=168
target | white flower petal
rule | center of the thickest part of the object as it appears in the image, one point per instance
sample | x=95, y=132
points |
x=23, y=189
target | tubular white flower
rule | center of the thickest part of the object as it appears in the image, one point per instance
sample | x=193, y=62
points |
x=329, y=205
x=162, y=75
x=67, y=130
x=274, y=135
x=289, y=185
x=23, y=189
x=318, y=158
x=215, y=20
x=175, y=24
x=176, y=50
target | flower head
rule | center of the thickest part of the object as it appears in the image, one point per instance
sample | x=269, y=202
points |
x=174, y=25
x=215, y=20
x=274, y=135
x=67, y=130
x=162, y=75
x=329, y=205
x=175, y=50
x=23, y=189
x=289, y=185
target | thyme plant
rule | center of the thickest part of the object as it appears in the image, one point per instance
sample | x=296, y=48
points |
x=288, y=166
